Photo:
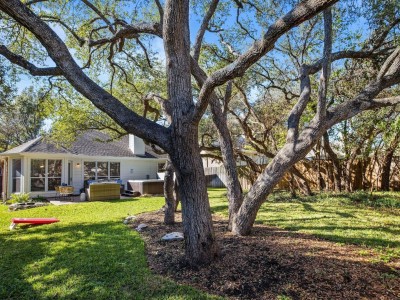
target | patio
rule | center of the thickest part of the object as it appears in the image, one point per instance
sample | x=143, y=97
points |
x=74, y=199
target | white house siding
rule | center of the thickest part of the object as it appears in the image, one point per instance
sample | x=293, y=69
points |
x=139, y=169
x=77, y=174
x=131, y=169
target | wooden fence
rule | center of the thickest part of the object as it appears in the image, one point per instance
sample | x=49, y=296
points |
x=216, y=177
x=364, y=175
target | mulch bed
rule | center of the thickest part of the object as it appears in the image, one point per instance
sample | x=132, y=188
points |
x=272, y=262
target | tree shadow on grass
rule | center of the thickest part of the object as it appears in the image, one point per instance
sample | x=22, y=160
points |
x=309, y=207
x=219, y=208
x=273, y=263
x=328, y=232
x=85, y=261
x=119, y=200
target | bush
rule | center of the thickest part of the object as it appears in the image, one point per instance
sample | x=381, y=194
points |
x=20, y=198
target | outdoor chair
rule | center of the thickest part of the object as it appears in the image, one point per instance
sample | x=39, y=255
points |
x=66, y=191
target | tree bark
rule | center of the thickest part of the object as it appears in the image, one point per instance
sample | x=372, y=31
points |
x=169, y=213
x=219, y=116
x=200, y=243
x=387, y=162
x=335, y=162
x=302, y=182
x=298, y=145
x=234, y=191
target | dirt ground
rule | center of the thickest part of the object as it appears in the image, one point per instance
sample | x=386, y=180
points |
x=273, y=263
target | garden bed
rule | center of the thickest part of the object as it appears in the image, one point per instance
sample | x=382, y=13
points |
x=274, y=263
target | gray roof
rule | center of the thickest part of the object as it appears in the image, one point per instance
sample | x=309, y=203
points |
x=21, y=148
x=90, y=143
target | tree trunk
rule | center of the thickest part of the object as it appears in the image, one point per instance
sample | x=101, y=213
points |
x=201, y=246
x=387, y=162
x=335, y=162
x=302, y=182
x=348, y=175
x=169, y=213
x=219, y=116
x=176, y=195
x=234, y=191
x=264, y=185
x=385, y=177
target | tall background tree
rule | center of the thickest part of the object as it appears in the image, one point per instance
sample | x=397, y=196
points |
x=22, y=115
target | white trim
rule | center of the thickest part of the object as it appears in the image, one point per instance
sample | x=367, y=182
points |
x=26, y=168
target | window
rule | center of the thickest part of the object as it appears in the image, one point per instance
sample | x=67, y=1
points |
x=16, y=175
x=54, y=171
x=89, y=168
x=97, y=170
x=38, y=175
x=102, y=170
x=115, y=171
x=45, y=174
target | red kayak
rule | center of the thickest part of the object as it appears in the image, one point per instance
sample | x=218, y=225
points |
x=15, y=221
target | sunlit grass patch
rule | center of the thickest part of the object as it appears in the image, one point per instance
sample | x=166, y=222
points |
x=347, y=218
x=89, y=254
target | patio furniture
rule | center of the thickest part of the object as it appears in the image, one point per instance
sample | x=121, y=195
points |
x=66, y=191
x=103, y=191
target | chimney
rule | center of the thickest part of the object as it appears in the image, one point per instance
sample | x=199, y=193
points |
x=136, y=145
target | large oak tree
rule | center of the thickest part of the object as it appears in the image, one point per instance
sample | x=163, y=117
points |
x=105, y=28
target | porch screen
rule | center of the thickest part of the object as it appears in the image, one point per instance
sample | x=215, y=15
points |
x=45, y=174
x=54, y=169
x=16, y=175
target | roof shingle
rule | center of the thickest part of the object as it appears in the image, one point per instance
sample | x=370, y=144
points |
x=90, y=143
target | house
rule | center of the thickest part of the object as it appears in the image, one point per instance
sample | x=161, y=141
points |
x=37, y=166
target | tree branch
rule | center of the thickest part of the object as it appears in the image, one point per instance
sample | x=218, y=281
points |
x=126, y=118
x=203, y=28
x=100, y=14
x=34, y=2
x=298, y=108
x=164, y=103
x=302, y=12
x=315, y=67
x=56, y=20
x=326, y=65
x=130, y=31
x=31, y=68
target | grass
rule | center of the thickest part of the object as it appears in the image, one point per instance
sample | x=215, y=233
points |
x=90, y=254
x=356, y=218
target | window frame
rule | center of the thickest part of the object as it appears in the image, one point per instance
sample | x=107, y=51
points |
x=96, y=176
x=45, y=174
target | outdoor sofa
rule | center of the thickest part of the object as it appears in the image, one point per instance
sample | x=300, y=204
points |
x=103, y=191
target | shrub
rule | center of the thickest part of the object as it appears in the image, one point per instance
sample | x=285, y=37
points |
x=20, y=198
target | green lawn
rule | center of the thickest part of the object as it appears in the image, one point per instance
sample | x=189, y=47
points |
x=90, y=254
x=356, y=218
